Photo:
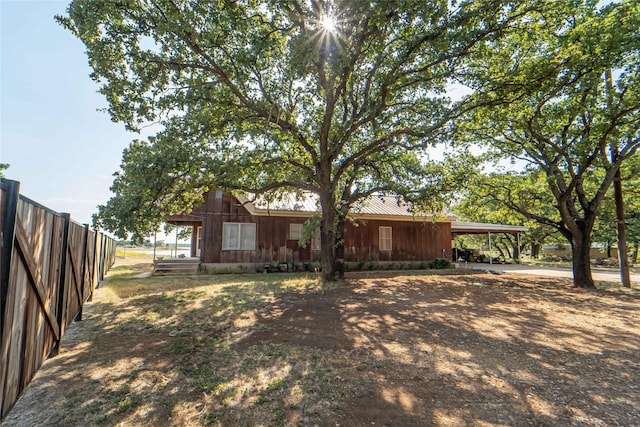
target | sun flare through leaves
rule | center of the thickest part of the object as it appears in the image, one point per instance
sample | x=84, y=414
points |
x=329, y=23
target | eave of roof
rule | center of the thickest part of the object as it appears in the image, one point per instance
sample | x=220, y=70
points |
x=482, y=228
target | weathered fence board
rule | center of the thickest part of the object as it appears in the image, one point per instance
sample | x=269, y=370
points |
x=48, y=269
x=7, y=294
x=75, y=277
x=90, y=256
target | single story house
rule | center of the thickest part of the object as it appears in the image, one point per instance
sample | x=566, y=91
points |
x=232, y=230
x=229, y=231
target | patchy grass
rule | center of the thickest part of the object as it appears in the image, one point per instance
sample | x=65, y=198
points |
x=403, y=348
x=202, y=317
x=130, y=252
x=131, y=266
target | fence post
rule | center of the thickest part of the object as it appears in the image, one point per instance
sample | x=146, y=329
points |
x=62, y=290
x=98, y=261
x=8, y=237
x=78, y=317
x=103, y=258
x=9, y=218
x=95, y=276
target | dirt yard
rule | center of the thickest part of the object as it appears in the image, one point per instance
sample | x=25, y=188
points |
x=385, y=349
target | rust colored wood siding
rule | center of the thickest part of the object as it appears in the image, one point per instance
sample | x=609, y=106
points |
x=272, y=243
x=411, y=240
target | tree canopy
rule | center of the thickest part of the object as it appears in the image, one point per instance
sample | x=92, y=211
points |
x=552, y=110
x=338, y=98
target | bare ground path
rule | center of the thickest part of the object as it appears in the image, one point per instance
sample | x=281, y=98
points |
x=396, y=349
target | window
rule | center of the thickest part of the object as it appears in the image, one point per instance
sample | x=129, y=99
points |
x=236, y=236
x=385, y=238
x=295, y=231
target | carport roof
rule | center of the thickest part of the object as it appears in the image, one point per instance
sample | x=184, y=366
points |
x=458, y=227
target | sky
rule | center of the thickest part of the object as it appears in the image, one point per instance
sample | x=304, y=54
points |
x=61, y=149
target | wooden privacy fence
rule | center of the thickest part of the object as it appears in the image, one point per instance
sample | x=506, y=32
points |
x=49, y=266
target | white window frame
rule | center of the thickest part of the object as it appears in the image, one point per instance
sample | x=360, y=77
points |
x=385, y=241
x=198, y=240
x=295, y=231
x=241, y=229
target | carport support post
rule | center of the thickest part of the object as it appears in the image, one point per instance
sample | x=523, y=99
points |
x=177, y=228
x=490, y=258
x=518, y=248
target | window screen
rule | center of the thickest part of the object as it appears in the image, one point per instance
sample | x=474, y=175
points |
x=385, y=238
x=238, y=236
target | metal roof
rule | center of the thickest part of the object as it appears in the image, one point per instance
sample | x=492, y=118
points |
x=374, y=207
x=458, y=227
x=307, y=204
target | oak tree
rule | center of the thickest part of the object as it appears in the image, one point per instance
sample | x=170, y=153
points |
x=337, y=98
x=552, y=111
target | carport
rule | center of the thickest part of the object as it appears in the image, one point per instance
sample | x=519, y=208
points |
x=461, y=228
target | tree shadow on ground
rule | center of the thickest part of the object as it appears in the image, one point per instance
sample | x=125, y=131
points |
x=465, y=350
x=395, y=350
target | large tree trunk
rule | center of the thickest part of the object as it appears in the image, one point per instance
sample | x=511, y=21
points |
x=621, y=228
x=327, y=237
x=327, y=249
x=580, y=251
x=535, y=250
x=339, y=246
x=516, y=251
